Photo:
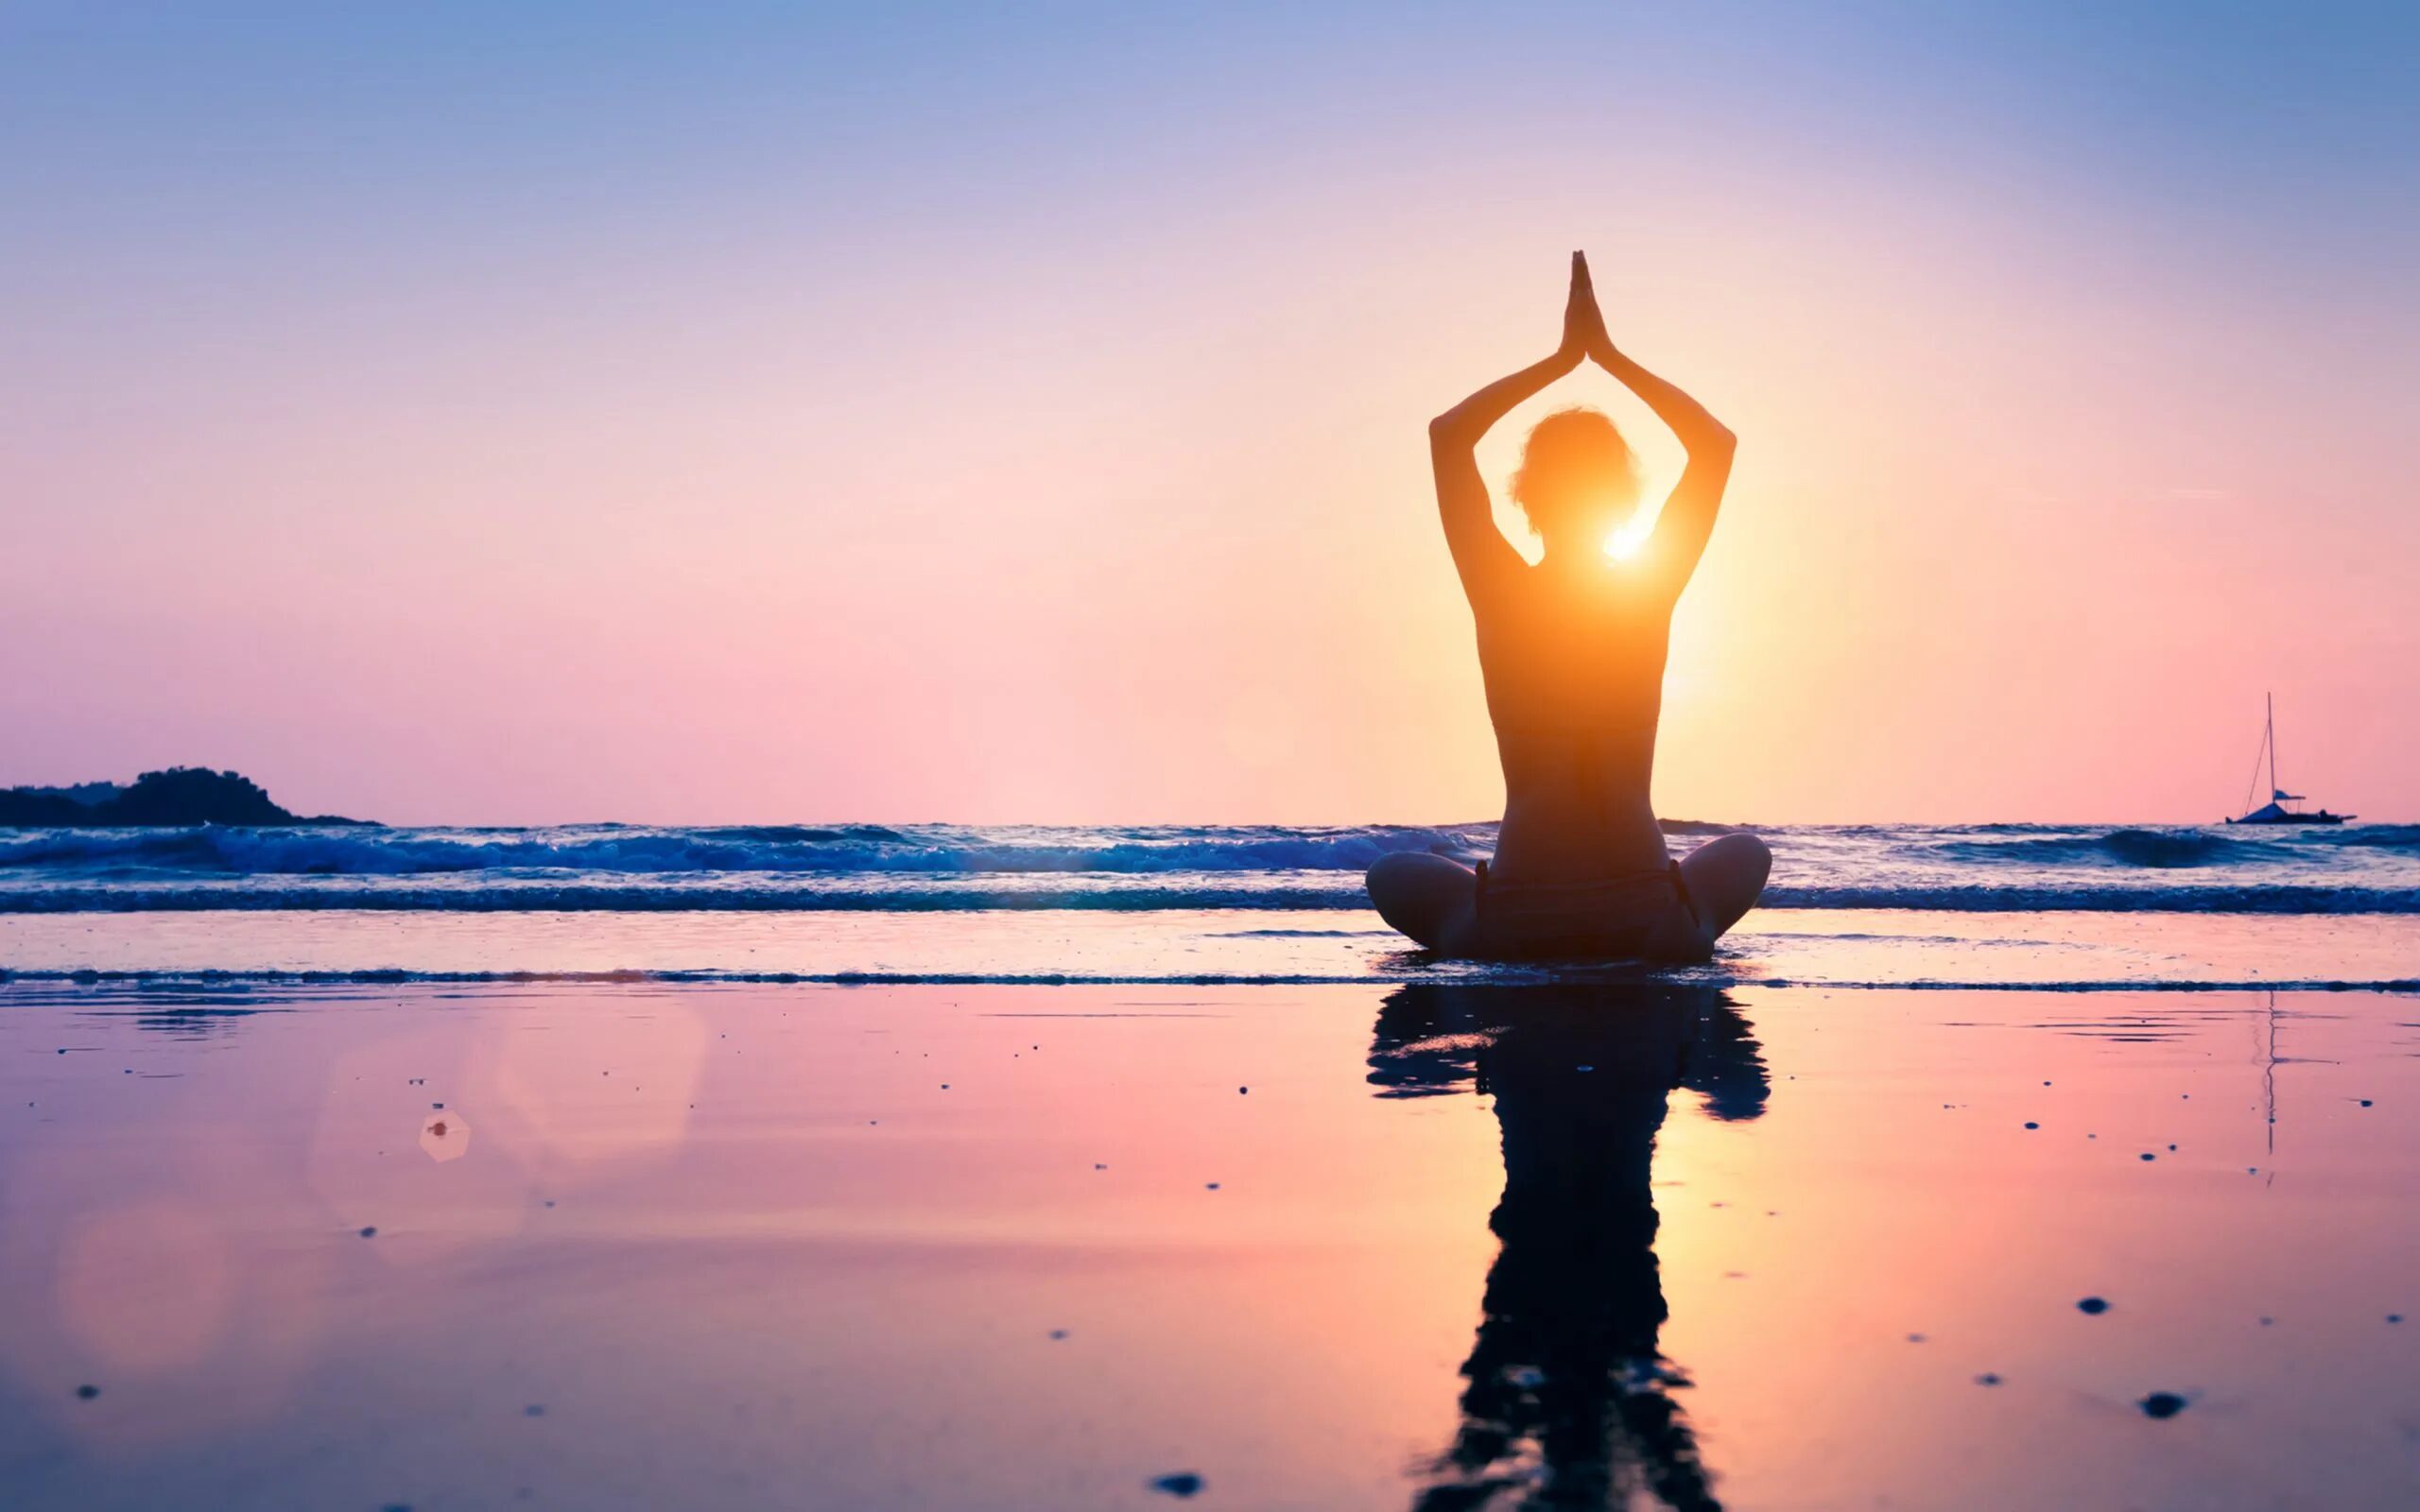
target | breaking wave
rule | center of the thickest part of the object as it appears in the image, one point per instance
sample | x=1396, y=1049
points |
x=353, y=851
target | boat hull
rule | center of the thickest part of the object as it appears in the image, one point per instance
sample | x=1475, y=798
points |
x=2297, y=819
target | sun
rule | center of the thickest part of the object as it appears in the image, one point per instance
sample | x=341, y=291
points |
x=1632, y=534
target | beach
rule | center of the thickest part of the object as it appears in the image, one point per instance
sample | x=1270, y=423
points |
x=1318, y=757
x=1092, y=1206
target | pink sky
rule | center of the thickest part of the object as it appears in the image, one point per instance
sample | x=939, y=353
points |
x=718, y=494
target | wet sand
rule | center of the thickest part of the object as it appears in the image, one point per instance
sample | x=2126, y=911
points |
x=1831, y=947
x=1376, y=1244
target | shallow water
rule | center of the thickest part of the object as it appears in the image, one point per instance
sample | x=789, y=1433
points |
x=1831, y=947
x=1005, y=1245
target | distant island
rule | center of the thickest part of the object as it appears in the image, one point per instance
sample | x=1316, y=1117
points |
x=180, y=794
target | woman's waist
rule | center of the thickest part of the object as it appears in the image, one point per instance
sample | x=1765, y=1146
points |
x=1549, y=842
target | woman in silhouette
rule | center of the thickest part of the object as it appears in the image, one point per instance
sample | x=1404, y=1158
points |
x=1572, y=652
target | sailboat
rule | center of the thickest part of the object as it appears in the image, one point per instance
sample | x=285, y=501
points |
x=2274, y=810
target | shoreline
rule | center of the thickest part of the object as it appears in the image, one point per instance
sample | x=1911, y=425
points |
x=1821, y=947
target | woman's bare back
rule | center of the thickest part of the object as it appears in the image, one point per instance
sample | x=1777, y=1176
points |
x=1574, y=669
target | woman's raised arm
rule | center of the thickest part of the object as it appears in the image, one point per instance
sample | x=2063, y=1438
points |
x=1481, y=554
x=1687, y=520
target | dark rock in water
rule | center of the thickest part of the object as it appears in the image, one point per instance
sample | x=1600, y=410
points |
x=536, y=1409
x=371, y=1233
x=2162, y=1405
x=1987, y=1378
x=2094, y=1305
x=2032, y=1125
x=87, y=1393
x=1183, y=1484
x=178, y=795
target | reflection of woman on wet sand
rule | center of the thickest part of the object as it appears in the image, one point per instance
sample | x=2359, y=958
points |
x=1568, y=1402
x=1572, y=652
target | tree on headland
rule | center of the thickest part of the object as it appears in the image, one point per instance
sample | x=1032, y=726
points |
x=179, y=795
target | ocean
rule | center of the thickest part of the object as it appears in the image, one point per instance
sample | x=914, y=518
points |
x=2032, y=905
x=2357, y=868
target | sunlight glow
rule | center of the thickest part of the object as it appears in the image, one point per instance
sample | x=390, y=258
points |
x=1632, y=534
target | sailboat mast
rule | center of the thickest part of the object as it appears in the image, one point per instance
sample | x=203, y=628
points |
x=2274, y=788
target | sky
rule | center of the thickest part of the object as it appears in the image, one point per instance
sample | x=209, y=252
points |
x=756, y=413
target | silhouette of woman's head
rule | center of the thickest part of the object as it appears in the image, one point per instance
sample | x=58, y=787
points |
x=1578, y=478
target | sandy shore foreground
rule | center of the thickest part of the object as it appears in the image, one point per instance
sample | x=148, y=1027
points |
x=1110, y=1245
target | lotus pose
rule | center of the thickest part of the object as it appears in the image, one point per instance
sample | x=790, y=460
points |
x=1572, y=652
